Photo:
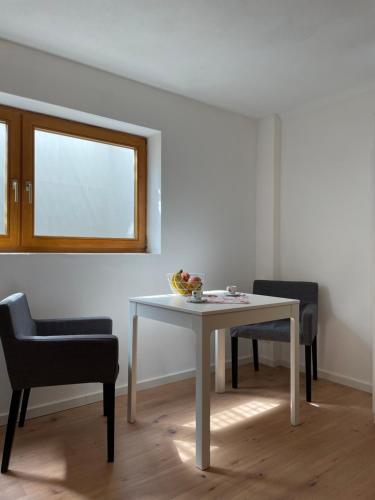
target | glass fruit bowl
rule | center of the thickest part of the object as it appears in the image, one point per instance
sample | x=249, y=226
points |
x=184, y=283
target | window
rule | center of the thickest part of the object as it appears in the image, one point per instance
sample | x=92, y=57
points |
x=67, y=186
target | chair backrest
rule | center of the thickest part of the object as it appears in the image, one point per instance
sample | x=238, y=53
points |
x=305, y=291
x=15, y=318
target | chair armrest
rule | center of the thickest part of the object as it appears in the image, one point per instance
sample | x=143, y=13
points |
x=74, y=326
x=66, y=359
x=309, y=322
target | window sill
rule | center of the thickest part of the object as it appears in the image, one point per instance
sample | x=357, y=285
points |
x=82, y=253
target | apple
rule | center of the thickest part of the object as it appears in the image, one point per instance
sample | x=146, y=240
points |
x=185, y=276
x=195, y=282
x=195, y=279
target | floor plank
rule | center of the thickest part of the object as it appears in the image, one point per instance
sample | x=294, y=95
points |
x=255, y=452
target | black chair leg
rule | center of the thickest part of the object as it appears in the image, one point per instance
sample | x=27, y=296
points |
x=308, y=372
x=255, y=355
x=315, y=358
x=110, y=397
x=105, y=398
x=25, y=401
x=234, y=345
x=11, y=427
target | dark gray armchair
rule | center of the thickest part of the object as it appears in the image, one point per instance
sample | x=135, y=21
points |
x=42, y=353
x=307, y=293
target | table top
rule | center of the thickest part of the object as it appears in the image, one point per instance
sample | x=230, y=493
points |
x=179, y=303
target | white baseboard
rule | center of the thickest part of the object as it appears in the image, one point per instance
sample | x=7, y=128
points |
x=268, y=362
x=338, y=378
x=65, y=404
x=362, y=385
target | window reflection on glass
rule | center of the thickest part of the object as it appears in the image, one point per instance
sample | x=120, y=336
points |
x=3, y=177
x=83, y=188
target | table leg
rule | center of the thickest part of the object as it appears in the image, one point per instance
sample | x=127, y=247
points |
x=202, y=397
x=220, y=361
x=132, y=362
x=294, y=366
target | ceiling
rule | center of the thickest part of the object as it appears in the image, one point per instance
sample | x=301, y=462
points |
x=254, y=57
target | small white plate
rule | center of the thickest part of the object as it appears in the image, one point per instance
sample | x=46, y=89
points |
x=236, y=294
x=193, y=301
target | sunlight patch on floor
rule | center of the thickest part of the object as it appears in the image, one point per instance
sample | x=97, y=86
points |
x=238, y=414
x=52, y=473
x=186, y=449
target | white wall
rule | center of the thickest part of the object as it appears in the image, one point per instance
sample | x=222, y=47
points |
x=267, y=197
x=327, y=224
x=208, y=159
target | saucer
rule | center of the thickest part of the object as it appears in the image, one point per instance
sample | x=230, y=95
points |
x=201, y=301
x=236, y=294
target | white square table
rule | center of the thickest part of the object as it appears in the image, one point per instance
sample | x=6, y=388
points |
x=203, y=319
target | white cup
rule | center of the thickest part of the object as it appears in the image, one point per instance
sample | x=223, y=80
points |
x=197, y=295
x=232, y=289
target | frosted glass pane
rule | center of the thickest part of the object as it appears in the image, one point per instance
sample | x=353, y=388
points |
x=3, y=178
x=83, y=188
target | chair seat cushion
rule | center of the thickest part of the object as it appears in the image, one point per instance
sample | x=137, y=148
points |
x=272, y=330
x=279, y=331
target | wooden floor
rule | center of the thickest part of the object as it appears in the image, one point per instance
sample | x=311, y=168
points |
x=255, y=454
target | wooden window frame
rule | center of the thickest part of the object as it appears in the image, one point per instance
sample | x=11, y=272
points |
x=11, y=240
x=21, y=238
